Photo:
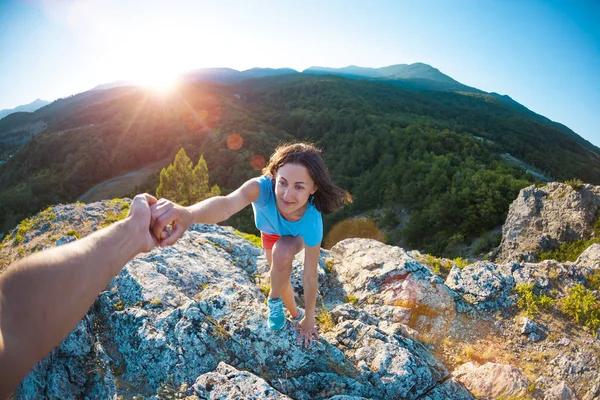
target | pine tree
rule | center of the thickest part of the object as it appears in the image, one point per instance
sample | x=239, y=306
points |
x=184, y=185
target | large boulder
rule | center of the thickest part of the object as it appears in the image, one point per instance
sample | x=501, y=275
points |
x=483, y=284
x=400, y=288
x=492, y=380
x=543, y=218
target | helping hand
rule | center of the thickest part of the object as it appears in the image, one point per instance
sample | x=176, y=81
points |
x=307, y=329
x=139, y=219
x=166, y=213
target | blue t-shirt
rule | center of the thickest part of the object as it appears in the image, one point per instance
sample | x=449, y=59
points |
x=268, y=219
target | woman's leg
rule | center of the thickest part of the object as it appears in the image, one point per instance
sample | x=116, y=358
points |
x=280, y=259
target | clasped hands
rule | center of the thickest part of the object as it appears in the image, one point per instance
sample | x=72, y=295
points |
x=157, y=222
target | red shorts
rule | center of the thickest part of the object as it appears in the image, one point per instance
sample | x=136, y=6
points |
x=268, y=240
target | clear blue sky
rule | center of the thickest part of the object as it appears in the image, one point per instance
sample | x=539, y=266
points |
x=544, y=54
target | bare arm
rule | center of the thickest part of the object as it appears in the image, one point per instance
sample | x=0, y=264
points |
x=209, y=211
x=310, y=281
x=44, y=296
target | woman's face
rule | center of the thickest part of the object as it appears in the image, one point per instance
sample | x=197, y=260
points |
x=293, y=187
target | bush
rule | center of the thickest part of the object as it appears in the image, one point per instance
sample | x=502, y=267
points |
x=568, y=251
x=582, y=306
x=529, y=301
x=461, y=262
x=575, y=183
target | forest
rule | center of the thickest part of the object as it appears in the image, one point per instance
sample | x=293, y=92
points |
x=435, y=155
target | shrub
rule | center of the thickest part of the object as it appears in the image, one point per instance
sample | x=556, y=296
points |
x=567, y=251
x=324, y=319
x=575, y=183
x=329, y=266
x=350, y=298
x=461, y=262
x=582, y=306
x=529, y=301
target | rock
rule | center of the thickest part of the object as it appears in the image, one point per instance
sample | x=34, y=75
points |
x=492, y=380
x=226, y=382
x=534, y=337
x=527, y=326
x=561, y=391
x=482, y=284
x=594, y=392
x=191, y=319
x=590, y=258
x=554, y=389
x=389, y=277
x=564, y=342
x=542, y=218
x=65, y=240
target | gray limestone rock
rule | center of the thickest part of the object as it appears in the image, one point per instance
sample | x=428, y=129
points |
x=543, y=218
x=482, y=284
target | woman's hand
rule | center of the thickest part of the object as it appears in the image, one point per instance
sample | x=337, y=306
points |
x=166, y=213
x=307, y=329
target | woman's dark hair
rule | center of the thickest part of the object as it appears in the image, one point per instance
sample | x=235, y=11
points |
x=328, y=197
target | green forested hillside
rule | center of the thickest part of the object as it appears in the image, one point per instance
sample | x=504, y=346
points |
x=435, y=154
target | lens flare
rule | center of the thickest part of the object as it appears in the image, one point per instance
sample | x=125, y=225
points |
x=353, y=228
x=234, y=142
x=258, y=162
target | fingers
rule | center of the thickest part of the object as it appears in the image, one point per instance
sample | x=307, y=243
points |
x=178, y=231
x=163, y=215
x=305, y=339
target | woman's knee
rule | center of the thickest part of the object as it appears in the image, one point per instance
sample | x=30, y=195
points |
x=285, y=250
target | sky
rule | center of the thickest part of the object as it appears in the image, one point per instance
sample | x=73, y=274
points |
x=543, y=54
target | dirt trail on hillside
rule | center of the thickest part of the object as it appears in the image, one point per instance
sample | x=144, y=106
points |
x=122, y=184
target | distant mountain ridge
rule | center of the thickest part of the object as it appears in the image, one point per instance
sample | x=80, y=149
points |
x=31, y=107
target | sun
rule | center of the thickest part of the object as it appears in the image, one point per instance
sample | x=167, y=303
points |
x=159, y=81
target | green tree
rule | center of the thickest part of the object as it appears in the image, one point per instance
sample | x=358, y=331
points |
x=182, y=184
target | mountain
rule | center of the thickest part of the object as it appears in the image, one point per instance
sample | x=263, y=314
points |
x=416, y=77
x=34, y=105
x=114, y=84
x=228, y=75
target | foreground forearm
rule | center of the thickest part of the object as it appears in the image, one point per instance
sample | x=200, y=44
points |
x=44, y=296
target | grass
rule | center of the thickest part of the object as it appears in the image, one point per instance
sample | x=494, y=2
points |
x=324, y=319
x=119, y=305
x=73, y=232
x=329, y=263
x=255, y=240
x=265, y=288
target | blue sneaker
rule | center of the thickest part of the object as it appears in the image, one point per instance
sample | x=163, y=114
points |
x=296, y=321
x=276, y=317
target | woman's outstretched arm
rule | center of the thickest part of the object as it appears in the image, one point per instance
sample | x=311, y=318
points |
x=209, y=211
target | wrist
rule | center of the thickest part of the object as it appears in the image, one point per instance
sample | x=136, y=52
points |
x=132, y=235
